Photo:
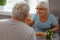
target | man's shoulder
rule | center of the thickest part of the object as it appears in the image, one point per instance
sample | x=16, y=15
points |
x=28, y=27
x=3, y=23
x=30, y=30
x=25, y=28
x=3, y=20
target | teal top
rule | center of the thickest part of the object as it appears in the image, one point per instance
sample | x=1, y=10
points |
x=43, y=26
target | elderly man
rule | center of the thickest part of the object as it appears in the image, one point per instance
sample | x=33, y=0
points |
x=15, y=28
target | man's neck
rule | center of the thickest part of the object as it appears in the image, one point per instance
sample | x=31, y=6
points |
x=17, y=19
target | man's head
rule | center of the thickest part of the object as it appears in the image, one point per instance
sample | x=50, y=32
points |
x=20, y=10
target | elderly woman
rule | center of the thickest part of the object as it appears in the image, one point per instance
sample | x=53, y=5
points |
x=43, y=20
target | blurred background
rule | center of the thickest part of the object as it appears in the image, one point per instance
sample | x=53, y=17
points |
x=6, y=9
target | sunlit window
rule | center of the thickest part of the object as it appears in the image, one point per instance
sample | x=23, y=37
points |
x=32, y=4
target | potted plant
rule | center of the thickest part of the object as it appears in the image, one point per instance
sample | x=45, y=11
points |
x=2, y=4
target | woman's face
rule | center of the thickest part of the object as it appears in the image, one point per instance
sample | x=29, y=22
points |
x=41, y=10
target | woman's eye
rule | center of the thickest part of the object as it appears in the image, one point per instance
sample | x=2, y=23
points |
x=36, y=8
x=40, y=9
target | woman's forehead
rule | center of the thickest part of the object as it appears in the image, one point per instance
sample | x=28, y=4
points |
x=39, y=6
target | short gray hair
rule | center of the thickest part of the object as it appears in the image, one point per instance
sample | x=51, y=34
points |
x=20, y=9
x=44, y=4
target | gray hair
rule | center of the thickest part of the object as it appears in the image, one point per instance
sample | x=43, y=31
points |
x=43, y=4
x=20, y=9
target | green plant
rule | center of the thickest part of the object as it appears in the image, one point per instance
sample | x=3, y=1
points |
x=49, y=34
x=2, y=2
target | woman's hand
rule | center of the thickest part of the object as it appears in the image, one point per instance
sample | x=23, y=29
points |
x=40, y=34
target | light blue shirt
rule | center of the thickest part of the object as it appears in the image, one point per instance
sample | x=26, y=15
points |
x=43, y=26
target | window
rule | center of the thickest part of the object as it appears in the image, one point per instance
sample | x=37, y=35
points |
x=32, y=4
